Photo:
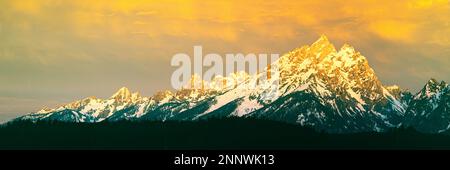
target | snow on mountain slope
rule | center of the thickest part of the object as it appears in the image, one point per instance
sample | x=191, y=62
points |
x=92, y=109
x=340, y=82
x=429, y=110
x=317, y=85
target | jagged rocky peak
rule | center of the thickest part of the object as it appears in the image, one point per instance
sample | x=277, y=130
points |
x=429, y=110
x=432, y=88
x=125, y=95
x=161, y=96
x=322, y=47
x=403, y=95
x=349, y=56
x=323, y=53
x=348, y=49
x=339, y=70
x=395, y=90
x=80, y=103
x=317, y=85
x=45, y=110
x=88, y=99
x=122, y=93
x=434, y=85
x=218, y=83
x=196, y=88
x=135, y=96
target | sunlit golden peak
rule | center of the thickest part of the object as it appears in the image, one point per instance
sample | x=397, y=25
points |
x=323, y=38
x=123, y=93
x=163, y=95
x=123, y=89
x=322, y=41
x=322, y=46
x=348, y=48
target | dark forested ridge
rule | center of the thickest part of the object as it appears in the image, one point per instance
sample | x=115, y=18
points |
x=206, y=134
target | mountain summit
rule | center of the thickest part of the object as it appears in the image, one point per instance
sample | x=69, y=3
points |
x=124, y=95
x=332, y=90
x=429, y=109
x=318, y=86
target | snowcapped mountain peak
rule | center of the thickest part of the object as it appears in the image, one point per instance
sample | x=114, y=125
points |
x=135, y=97
x=163, y=96
x=346, y=66
x=123, y=94
x=323, y=39
x=429, y=109
x=44, y=110
x=331, y=90
x=347, y=49
x=80, y=103
x=321, y=48
x=124, y=91
x=350, y=57
x=433, y=84
x=402, y=95
x=87, y=99
x=334, y=77
x=218, y=83
x=432, y=88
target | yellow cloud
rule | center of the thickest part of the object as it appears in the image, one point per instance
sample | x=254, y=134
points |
x=394, y=30
x=423, y=4
x=27, y=6
x=414, y=21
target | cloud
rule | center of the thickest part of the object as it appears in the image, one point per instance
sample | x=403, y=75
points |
x=394, y=30
x=413, y=20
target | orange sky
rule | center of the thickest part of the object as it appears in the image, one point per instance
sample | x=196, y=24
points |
x=406, y=21
x=54, y=51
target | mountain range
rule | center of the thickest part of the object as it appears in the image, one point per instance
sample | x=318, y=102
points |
x=318, y=86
